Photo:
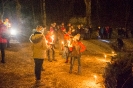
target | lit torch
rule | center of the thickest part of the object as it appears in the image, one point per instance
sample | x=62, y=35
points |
x=105, y=56
x=9, y=25
x=52, y=37
x=69, y=43
x=62, y=43
x=95, y=78
x=112, y=52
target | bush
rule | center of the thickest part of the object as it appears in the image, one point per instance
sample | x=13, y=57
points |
x=118, y=73
x=78, y=20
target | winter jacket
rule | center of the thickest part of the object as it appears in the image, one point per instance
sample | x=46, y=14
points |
x=77, y=48
x=49, y=38
x=38, y=45
x=3, y=33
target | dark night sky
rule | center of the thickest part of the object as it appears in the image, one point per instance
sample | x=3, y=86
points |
x=61, y=10
x=57, y=10
x=112, y=10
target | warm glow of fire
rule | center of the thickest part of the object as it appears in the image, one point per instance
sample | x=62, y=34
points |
x=95, y=76
x=62, y=42
x=105, y=56
x=52, y=37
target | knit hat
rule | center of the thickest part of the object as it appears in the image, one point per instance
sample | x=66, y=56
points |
x=39, y=28
x=77, y=37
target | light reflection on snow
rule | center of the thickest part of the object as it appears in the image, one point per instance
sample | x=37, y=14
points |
x=103, y=60
x=91, y=84
x=107, y=41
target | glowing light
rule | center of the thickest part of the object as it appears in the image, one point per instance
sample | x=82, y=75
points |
x=95, y=78
x=13, y=32
x=46, y=41
x=62, y=42
x=9, y=25
x=112, y=52
x=52, y=37
x=105, y=40
x=105, y=56
x=69, y=44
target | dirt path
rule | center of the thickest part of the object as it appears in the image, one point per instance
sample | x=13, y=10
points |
x=18, y=72
x=93, y=63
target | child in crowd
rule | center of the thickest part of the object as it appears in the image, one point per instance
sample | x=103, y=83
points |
x=76, y=48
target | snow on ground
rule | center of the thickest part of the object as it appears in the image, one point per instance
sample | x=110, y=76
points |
x=18, y=71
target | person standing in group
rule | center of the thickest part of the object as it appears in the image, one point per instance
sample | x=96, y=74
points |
x=67, y=41
x=50, y=52
x=38, y=47
x=8, y=25
x=76, y=49
x=3, y=40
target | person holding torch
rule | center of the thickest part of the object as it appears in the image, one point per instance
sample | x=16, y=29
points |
x=50, y=46
x=77, y=48
x=67, y=42
x=8, y=25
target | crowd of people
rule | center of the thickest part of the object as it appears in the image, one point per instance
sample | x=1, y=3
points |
x=68, y=38
x=70, y=46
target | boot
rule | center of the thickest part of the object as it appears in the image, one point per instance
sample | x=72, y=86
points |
x=71, y=67
x=49, y=60
x=54, y=58
x=66, y=61
x=79, y=70
x=2, y=61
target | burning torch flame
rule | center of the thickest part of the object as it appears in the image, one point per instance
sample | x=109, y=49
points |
x=105, y=56
x=62, y=42
x=95, y=77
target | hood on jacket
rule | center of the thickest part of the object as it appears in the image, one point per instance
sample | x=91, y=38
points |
x=36, y=37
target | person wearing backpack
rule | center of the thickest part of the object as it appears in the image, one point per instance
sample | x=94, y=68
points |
x=76, y=51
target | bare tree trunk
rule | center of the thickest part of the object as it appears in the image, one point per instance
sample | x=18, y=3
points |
x=18, y=13
x=41, y=6
x=88, y=12
x=44, y=14
x=127, y=17
x=127, y=14
x=33, y=13
x=98, y=10
x=2, y=12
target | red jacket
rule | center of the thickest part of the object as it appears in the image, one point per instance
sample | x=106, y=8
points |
x=48, y=38
x=3, y=30
x=78, y=44
x=66, y=36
